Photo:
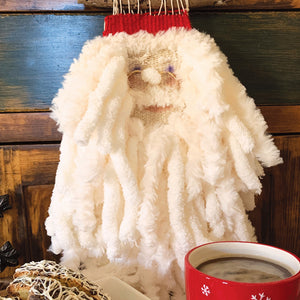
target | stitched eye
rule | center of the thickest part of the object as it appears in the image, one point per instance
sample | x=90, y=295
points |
x=137, y=68
x=170, y=69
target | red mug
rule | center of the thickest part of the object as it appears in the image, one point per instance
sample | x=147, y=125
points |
x=202, y=286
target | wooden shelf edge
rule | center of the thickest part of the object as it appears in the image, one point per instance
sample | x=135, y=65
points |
x=100, y=5
x=28, y=127
x=284, y=119
x=39, y=127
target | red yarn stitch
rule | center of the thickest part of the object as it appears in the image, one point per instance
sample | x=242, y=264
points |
x=132, y=23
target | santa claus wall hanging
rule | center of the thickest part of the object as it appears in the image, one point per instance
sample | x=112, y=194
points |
x=162, y=150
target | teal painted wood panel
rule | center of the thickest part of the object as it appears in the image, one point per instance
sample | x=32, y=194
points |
x=263, y=50
x=36, y=50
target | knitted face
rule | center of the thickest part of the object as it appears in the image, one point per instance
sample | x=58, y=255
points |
x=162, y=150
x=152, y=77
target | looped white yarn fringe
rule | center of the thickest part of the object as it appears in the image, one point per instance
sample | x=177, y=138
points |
x=134, y=193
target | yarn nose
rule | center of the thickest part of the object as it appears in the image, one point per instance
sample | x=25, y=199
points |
x=151, y=75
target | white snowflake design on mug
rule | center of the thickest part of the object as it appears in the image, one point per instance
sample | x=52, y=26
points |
x=260, y=296
x=205, y=290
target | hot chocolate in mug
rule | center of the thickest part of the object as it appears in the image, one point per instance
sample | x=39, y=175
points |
x=241, y=271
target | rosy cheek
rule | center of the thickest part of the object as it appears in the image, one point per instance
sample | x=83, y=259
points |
x=135, y=81
x=169, y=80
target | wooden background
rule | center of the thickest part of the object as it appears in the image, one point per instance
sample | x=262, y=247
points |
x=38, y=41
x=104, y=5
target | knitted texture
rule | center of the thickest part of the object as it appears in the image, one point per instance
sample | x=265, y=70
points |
x=132, y=23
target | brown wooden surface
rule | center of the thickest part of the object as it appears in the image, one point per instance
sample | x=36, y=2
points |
x=200, y=4
x=23, y=167
x=39, y=127
x=84, y=5
x=27, y=127
x=277, y=215
x=13, y=224
x=282, y=119
x=155, y=4
x=38, y=163
x=37, y=203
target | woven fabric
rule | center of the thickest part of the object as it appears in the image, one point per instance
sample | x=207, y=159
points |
x=132, y=23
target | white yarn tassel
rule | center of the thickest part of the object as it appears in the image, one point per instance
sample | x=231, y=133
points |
x=128, y=231
x=214, y=215
x=110, y=87
x=243, y=167
x=112, y=214
x=176, y=200
x=157, y=153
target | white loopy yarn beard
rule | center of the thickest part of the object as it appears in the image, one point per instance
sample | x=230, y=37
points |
x=136, y=189
x=156, y=204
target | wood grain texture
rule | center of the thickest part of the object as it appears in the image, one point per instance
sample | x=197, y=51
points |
x=276, y=217
x=13, y=224
x=37, y=203
x=38, y=5
x=198, y=4
x=282, y=119
x=27, y=127
x=22, y=166
x=38, y=163
x=33, y=61
x=34, y=164
x=39, y=127
x=86, y=5
x=263, y=50
x=155, y=4
x=261, y=4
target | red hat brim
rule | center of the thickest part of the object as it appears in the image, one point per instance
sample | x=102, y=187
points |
x=152, y=23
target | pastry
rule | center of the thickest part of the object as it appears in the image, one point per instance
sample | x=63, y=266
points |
x=44, y=288
x=66, y=276
x=47, y=280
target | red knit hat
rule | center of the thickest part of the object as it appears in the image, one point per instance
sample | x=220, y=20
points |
x=152, y=23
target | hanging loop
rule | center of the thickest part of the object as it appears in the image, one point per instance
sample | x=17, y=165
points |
x=151, y=7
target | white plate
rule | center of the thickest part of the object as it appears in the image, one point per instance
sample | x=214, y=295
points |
x=119, y=290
